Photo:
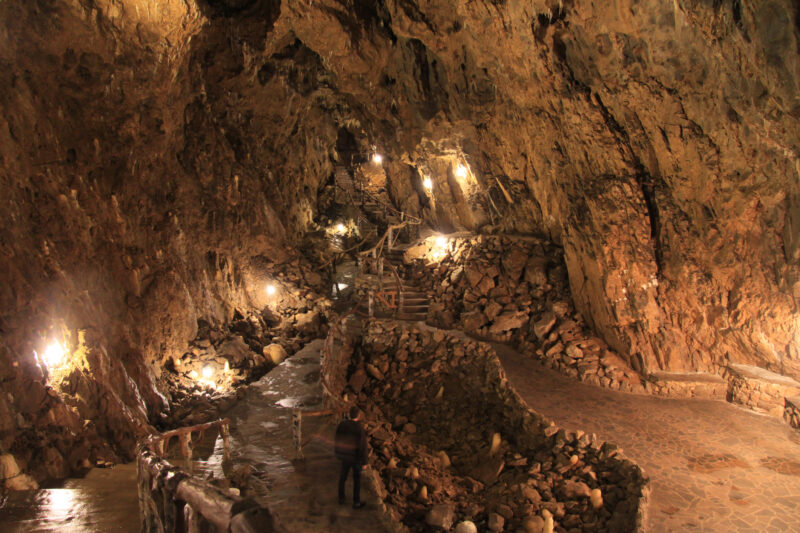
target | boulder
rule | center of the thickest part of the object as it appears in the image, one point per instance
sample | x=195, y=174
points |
x=275, y=353
x=474, y=274
x=21, y=482
x=440, y=516
x=489, y=470
x=373, y=371
x=473, y=321
x=534, y=524
x=536, y=271
x=576, y=489
x=8, y=466
x=496, y=522
x=508, y=321
x=514, y=263
x=357, y=380
x=596, y=497
x=543, y=326
x=466, y=527
x=235, y=350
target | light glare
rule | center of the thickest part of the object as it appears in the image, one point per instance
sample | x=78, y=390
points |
x=377, y=159
x=208, y=372
x=270, y=290
x=340, y=228
x=54, y=355
x=441, y=242
x=461, y=171
x=427, y=183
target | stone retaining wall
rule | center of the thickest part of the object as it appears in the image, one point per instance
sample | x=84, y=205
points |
x=452, y=440
x=759, y=389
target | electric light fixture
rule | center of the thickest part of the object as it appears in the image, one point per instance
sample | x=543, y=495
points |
x=54, y=355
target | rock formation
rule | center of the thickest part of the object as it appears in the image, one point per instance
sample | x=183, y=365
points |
x=161, y=161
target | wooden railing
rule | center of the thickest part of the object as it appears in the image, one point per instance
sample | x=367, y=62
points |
x=172, y=500
x=159, y=443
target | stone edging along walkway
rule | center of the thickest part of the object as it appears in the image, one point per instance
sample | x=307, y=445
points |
x=713, y=466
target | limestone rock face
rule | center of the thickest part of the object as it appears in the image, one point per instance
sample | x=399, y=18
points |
x=154, y=162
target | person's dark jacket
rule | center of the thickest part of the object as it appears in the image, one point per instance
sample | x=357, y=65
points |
x=351, y=442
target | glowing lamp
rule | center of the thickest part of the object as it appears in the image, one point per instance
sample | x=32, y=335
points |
x=340, y=228
x=208, y=372
x=461, y=171
x=377, y=159
x=193, y=374
x=227, y=367
x=270, y=290
x=427, y=183
x=54, y=355
x=441, y=242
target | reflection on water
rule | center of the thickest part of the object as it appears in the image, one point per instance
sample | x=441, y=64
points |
x=104, y=501
x=261, y=451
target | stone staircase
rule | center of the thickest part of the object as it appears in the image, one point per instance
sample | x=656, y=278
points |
x=412, y=302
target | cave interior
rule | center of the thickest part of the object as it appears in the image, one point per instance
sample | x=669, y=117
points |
x=195, y=192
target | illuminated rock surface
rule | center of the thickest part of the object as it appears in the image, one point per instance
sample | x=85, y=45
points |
x=161, y=163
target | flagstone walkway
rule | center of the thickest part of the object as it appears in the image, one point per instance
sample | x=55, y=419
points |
x=713, y=466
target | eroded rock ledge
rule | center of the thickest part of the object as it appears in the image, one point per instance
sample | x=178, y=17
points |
x=452, y=441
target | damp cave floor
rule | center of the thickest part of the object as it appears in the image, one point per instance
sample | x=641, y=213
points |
x=713, y=466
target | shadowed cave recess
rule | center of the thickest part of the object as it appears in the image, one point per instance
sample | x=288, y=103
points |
x=609, y=187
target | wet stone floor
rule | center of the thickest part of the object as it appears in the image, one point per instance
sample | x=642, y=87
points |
x=302, y=494
x=104, y=501
x=712, y=466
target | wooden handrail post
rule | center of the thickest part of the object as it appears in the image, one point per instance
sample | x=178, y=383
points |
x=186, y=444
x=297, y=432
x=226, y=442
x=371, y=304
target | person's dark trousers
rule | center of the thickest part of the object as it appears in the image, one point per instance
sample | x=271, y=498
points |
x=346, y=467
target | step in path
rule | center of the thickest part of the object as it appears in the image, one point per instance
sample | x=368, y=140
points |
x=713, y=466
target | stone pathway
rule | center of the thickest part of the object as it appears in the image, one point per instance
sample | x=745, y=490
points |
x=713, y=466
x=303, y=495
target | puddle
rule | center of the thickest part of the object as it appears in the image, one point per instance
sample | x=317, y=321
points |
x=106, y=500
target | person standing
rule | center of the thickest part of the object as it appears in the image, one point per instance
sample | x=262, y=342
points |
x=351, y=449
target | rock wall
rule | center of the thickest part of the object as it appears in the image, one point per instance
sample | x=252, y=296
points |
x=452, y=441
x=152, y=154
x=131, y=212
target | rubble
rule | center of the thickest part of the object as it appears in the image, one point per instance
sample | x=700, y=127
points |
x=506, y=464
x=515, y=290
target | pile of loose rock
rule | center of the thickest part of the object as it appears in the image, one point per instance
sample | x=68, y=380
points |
x=202, y=381
x=453, y=443
x=516, y=289
x=791, y=411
